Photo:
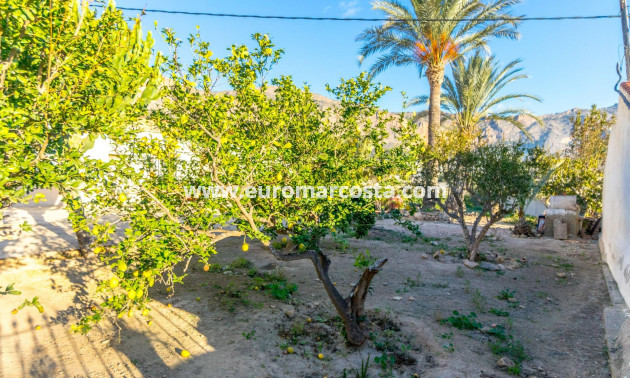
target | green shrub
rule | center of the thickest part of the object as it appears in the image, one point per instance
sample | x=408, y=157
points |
x=463, y=321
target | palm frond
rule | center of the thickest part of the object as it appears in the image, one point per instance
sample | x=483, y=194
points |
x=476, y=88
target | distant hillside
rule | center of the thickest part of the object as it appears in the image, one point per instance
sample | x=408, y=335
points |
x=554, y=136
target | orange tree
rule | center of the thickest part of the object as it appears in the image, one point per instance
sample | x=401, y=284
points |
x=66, y=77
x=202, y=141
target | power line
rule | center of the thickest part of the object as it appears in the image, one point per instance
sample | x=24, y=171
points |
x=307, y=18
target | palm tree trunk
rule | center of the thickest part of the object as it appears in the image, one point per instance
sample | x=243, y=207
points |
x=436, y=78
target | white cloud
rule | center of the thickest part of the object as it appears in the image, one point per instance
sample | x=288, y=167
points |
x=350, y=8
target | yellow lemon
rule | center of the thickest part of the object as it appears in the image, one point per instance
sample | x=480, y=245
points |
x=120, y=315
x=139, y=293
x=290, y=350
x=279, y=176
x=40, y=309
x=74, y=327
x=151, y=281
x=198, y=299
x=150, y=322
x=285, y=240
x=98, y=250
x=15, y=311
x=122, y=265
x=168, y=289
x=146, y=274
x=442, y=251
x=130, y=313
x=302, y=247
x=185, y=353
x=288, y=145
x=131, y=295
x=308, y=320
x=320, y=356
x=245, y=247
x=122, y=197
x=256, y=288
x=38, y=327
x=145, y=312
x=135, y=274
x=113, y=282
x=169, y=305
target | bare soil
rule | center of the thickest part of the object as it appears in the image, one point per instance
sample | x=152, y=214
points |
x=236, y=328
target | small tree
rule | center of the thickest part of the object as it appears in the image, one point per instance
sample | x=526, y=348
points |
x=493, y=176
x=237, y=139
x=582, y=173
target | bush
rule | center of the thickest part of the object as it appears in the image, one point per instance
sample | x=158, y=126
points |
x=582, y=171
x=492, y=177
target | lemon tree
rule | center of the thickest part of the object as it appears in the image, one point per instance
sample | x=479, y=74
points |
x=250, y=132
x=67, y=76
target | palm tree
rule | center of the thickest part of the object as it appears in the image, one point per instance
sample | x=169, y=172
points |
x=475, y=91
x=433, y=34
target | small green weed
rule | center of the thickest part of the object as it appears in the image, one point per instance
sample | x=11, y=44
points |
x=273, y=283
x=506, y=294
x=463, y=321
x=386, y=361
x=241, y=263
x=362, y=372
x=249, y=334
x=498, y=312
x=513, y=349
x=459, y=273
x=479, y=301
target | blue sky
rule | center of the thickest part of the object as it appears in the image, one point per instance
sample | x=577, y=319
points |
x=571, y=63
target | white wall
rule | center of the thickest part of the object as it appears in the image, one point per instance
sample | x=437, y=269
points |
x=615, y=238
x=535, y=208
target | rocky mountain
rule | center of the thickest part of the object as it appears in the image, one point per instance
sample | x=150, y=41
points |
x=554, y=135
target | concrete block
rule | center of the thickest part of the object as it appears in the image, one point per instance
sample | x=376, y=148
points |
x=571, y=219
x=563, y=202
x=560, y=230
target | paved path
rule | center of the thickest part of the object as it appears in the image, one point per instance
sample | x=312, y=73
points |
x=51, y=231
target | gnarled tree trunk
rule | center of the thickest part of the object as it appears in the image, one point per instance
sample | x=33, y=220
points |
x=522, y=227
x=351, y=308
x=472, y=237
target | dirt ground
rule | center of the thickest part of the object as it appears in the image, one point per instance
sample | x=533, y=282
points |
x=553, y=295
